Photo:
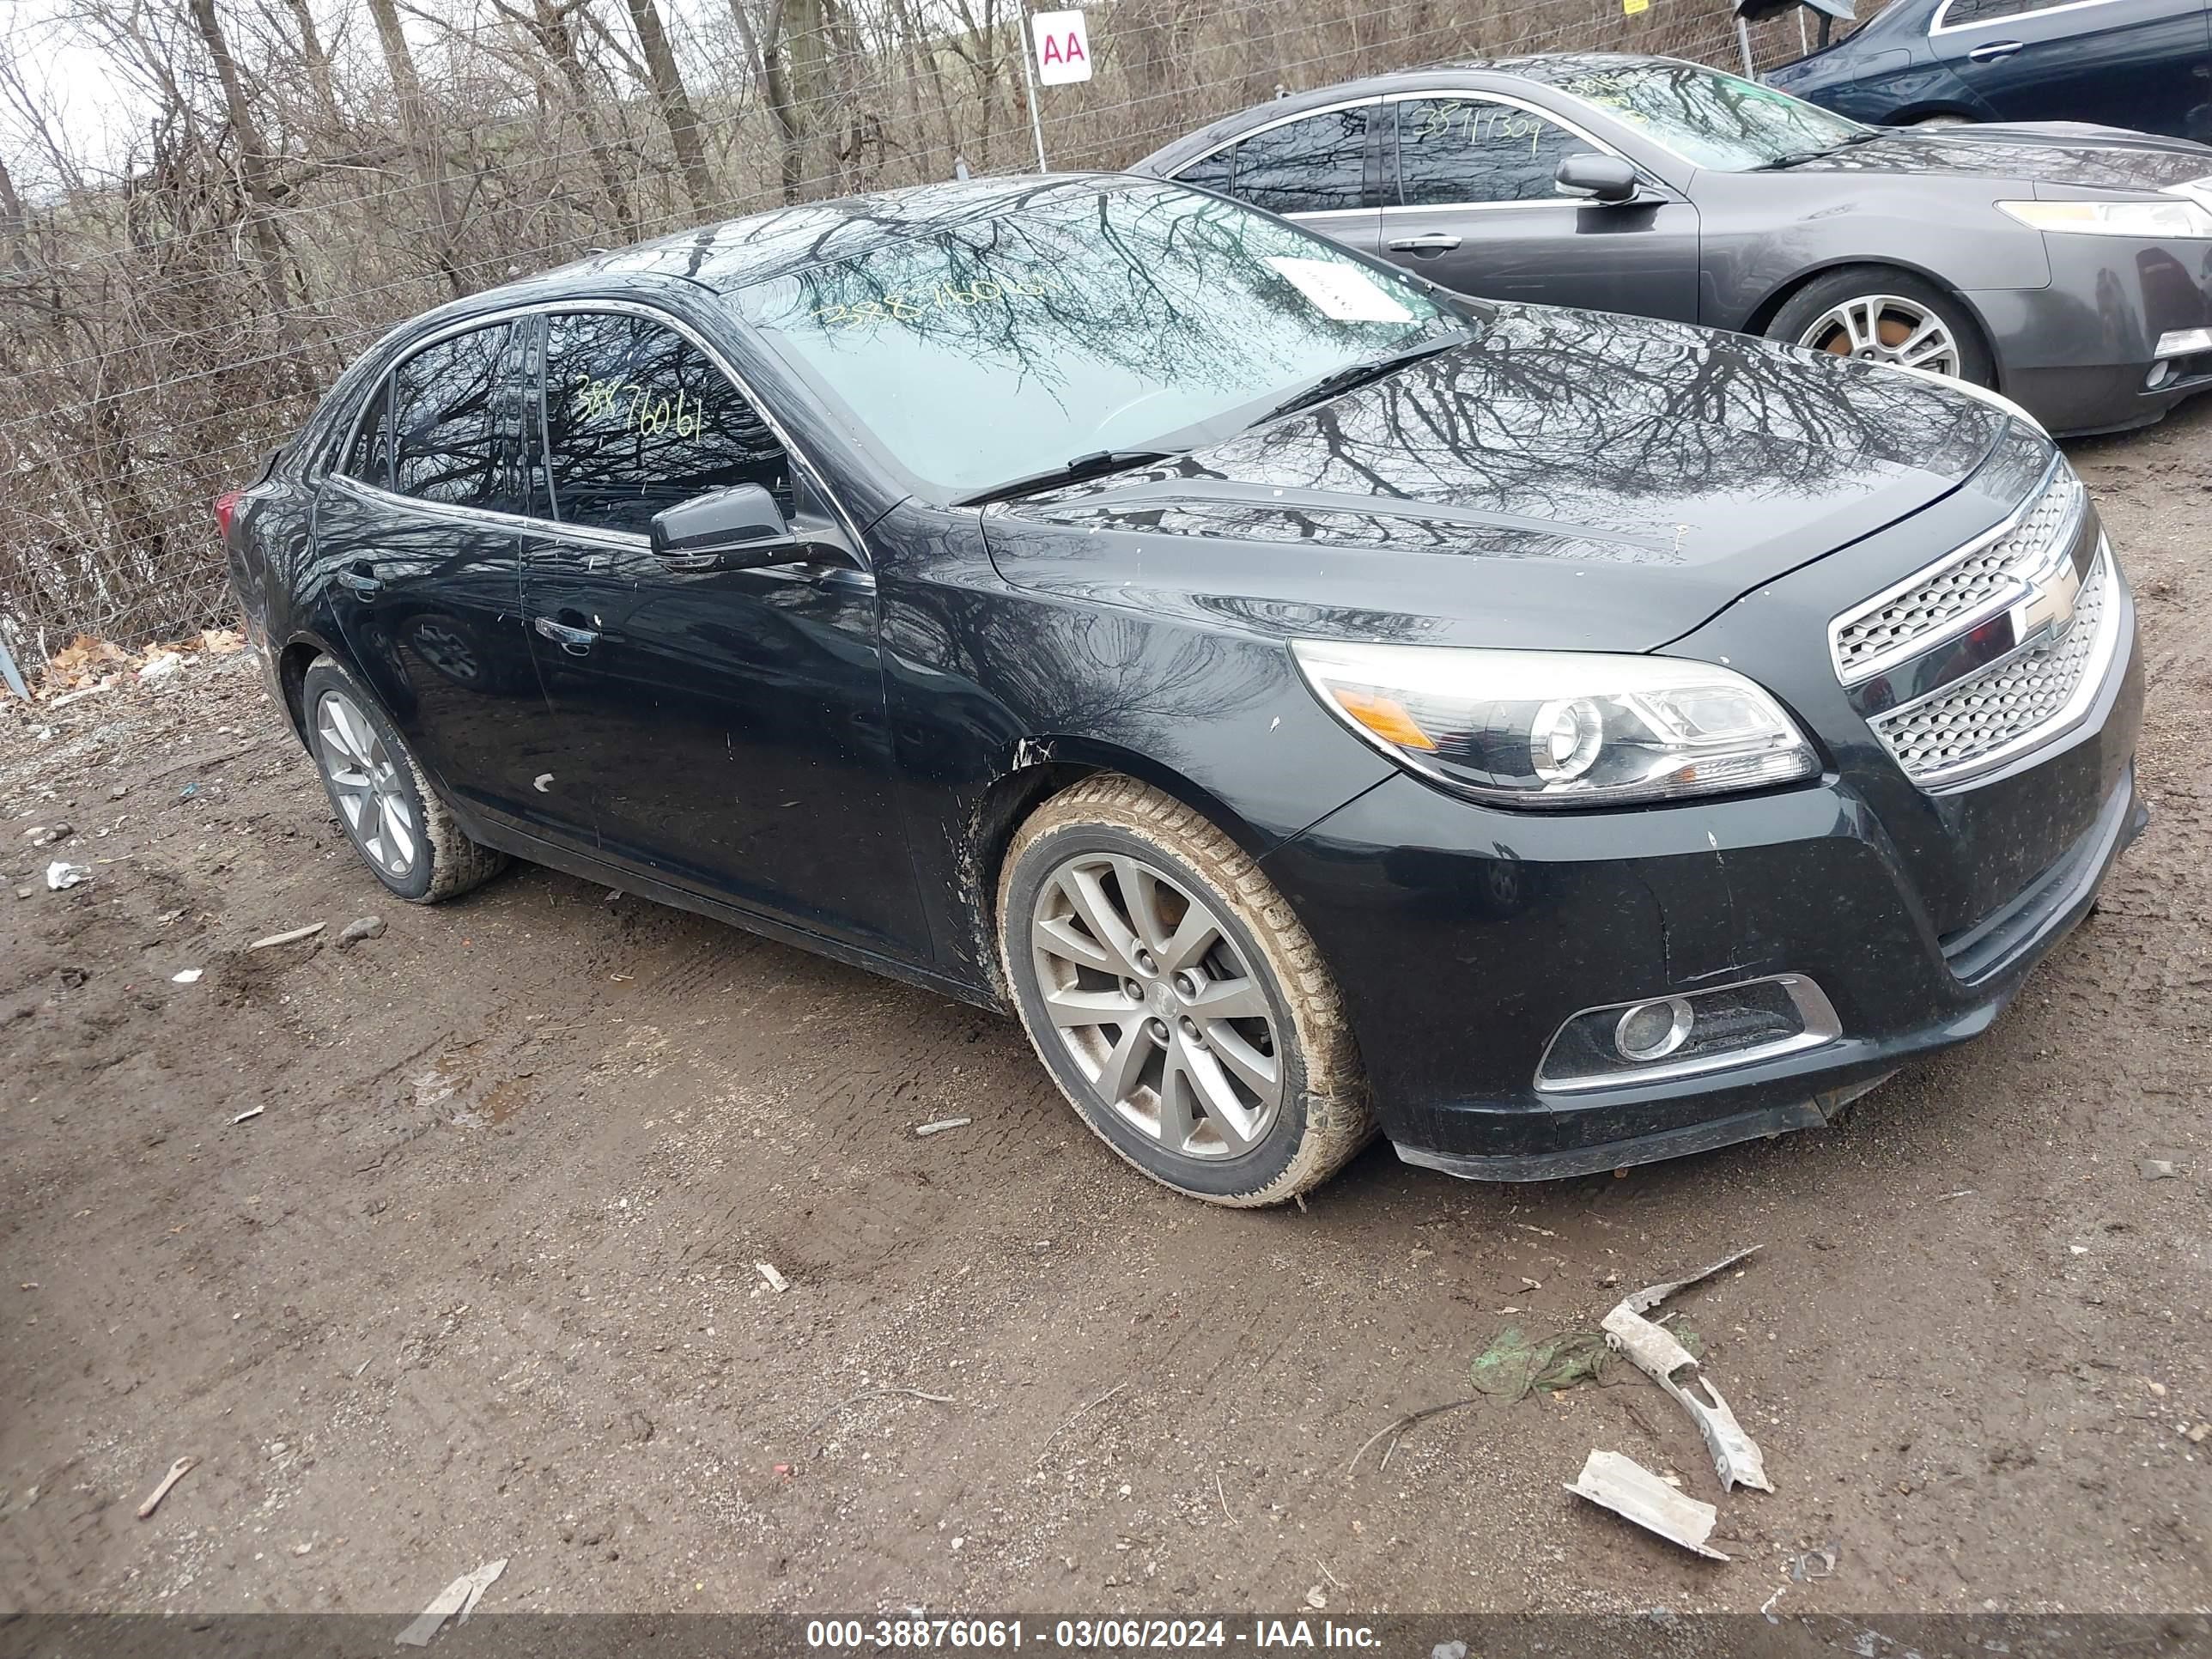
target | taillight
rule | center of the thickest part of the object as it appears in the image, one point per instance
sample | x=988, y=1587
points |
x=226, y=508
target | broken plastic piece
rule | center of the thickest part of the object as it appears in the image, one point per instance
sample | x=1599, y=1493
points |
x=177, y=1471
x=460, y=1597
x=942, y=1125
x=294, y=935
x=60, y=875
x=776, y=1281
x=1654, y=1351
x=1634, y=1493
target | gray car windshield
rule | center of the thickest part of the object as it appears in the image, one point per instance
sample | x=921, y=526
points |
x=1135, y=318
x=1711, y=119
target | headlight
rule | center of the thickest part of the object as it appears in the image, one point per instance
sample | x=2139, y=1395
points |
x=1554, y=728
x=2152, y=219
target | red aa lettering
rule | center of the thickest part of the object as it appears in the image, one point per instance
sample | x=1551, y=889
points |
x=1052, y=52
x=1074, y=48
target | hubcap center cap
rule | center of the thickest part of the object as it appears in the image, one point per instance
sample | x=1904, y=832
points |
x=1159, y=997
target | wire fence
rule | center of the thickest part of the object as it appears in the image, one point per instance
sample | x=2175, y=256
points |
x=160, y=329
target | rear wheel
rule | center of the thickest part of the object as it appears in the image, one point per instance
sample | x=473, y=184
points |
x=389, y=813
x=1182, y=1009
x=1881, y=314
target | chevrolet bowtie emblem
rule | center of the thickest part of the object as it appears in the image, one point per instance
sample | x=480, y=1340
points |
x=2049, y=608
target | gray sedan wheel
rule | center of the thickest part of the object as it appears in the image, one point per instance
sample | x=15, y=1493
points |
x=1182, y=1008
x=1878, y=313
x=395, y=820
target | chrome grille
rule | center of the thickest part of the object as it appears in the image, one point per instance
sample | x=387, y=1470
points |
x=1972, y=722
x=1984, y=575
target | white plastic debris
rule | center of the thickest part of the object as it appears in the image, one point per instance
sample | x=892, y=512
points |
x=291, y=938
x=177, y=1471
x=61, y=874
x=776, y=1281
x=460, y=1597
x=189, y=976
x=942, y=1125
x=1634, y=1493
x=251, y=1111
x=161, y=665
x=1654, y=1351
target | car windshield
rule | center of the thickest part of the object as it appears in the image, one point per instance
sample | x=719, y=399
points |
x=1135, y=318
x=1709, y=119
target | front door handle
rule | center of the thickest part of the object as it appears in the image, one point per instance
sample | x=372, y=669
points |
x=357, y=580
x=576, y=642
x=1995, y=50
x=1435, y=241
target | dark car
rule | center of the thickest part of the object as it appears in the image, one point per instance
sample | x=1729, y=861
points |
x=2141, y=63
x=1310, y=701
x=2069, y=268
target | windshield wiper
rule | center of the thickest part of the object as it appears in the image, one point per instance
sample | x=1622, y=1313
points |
x=1338, y=381
x=1799, y=157
x=1098, y=463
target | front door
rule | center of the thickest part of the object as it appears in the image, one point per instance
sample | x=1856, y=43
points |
x=2139, y=64
x=725, y=730
x=1471, y=201
x=416, y=535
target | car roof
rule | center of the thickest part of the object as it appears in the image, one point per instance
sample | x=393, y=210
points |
x=1471, y=73
x=735, y=254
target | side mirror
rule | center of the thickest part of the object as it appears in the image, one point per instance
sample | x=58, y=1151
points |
x=1600, y=177
x=739, y=528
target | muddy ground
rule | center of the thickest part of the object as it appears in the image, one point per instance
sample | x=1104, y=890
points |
x=479, y=1280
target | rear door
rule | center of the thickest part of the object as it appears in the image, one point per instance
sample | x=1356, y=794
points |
x=1472, y=201
x=1318, y=168
x=2139, y=64
x=417, y=536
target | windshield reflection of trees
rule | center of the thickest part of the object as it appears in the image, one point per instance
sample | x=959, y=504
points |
x=1168, y=287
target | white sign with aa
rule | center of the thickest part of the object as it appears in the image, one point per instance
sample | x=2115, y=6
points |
x=1063, y=48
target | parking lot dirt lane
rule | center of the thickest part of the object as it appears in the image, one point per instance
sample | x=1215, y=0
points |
x=480, y=1280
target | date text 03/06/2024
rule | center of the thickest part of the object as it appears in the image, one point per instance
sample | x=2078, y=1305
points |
x=1082, y=1635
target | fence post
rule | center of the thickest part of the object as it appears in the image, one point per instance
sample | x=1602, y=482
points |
x=1029, y=85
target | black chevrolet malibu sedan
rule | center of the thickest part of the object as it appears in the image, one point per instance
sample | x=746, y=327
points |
x=1310, y=702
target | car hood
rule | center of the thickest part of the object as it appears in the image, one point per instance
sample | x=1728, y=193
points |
x=1567, y=479
x=2067, y=154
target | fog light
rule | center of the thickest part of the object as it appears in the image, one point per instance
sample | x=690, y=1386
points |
x=2160, y=372
x=1629, y=1044
x=1653, y=1031
x=2181, y=341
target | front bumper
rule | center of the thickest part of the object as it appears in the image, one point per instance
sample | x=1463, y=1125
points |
x=2078, y=353
x=1462, y=938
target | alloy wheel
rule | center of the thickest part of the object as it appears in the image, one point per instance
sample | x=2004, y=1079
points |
x=365, y=781
x=1885, y=328
x=1158, y=1006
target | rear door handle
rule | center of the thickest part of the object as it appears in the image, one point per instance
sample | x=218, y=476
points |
x=1435, y=241
x=358, y=580
x=576, y=642
x=1995, y=50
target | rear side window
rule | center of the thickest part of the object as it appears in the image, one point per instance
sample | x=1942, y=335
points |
x=638, y=418
x=1318, y=165
x=1212, y=172
x=451, y=443
x=1462, y=149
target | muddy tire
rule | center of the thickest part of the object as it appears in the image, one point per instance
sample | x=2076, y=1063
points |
x=1179, y=1003
x=395, y=820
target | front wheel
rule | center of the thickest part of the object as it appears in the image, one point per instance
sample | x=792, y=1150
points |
x=1182, y=1009
x=1880, y=315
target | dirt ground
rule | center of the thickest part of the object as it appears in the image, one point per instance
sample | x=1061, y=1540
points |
x=479, y=1280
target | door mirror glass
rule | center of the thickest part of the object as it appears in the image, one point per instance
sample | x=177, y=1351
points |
x=1601, y=178
x=737, y=528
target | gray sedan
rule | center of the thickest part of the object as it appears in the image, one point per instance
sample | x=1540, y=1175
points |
x=2068, y=266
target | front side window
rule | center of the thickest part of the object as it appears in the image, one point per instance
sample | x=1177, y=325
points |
x=1470, y=149
x=369, y=458
x=451, y=444
x=1959, y=13
x=1133, y=317
x=1318, y=165
x=1711, y=119
x=638, y=418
